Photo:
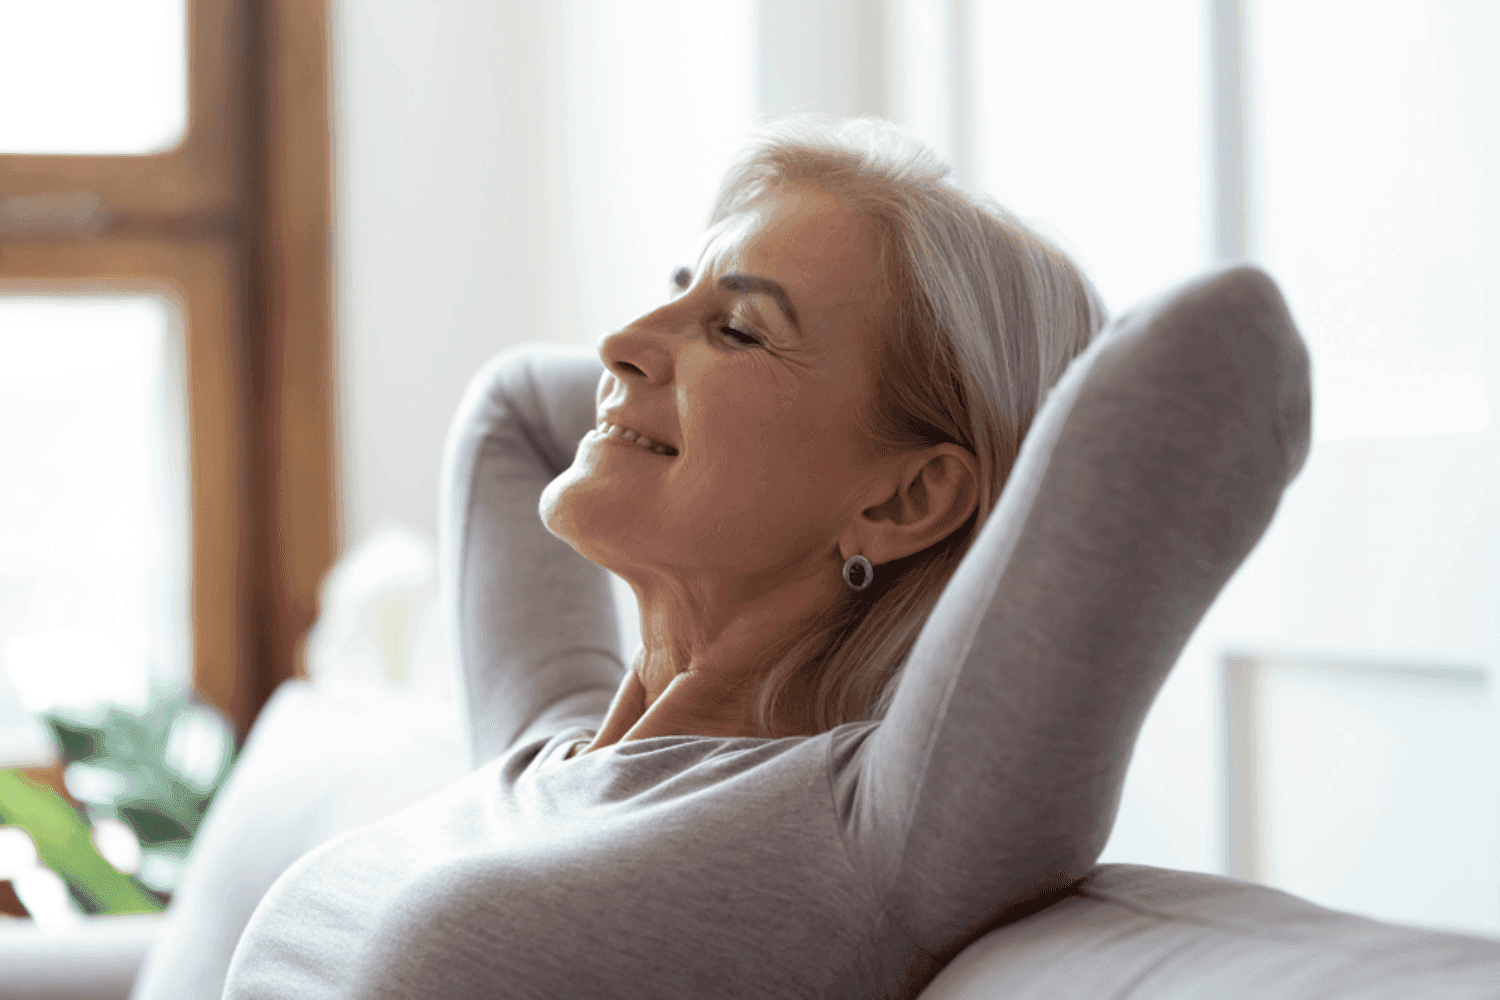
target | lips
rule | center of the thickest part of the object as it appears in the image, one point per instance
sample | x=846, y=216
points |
x=607, y=429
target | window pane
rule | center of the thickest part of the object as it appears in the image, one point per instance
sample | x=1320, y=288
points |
x=1099, y=136
x=1369, y=793
x=1370, y=202
x=94, y=533
x=93, y=76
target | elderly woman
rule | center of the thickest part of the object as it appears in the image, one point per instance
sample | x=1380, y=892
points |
x=842, y=751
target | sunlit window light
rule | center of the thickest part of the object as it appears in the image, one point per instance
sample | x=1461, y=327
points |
x=98, y=76
x=160, y=871
x=75, y=668
x=1367, y=202
x=17, y=852
x=94, y=538
x=196, y=749
x=88, y=783
x=118, y=845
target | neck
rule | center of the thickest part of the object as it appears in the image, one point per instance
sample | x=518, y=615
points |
x=701, y=665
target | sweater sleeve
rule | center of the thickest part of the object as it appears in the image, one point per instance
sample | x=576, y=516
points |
x=533, y=623
x=1153, y=467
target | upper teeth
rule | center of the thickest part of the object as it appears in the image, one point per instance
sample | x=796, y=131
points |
x=608, y=430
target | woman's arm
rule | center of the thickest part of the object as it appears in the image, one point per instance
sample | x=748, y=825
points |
x=534, y=623
x=1151, y=471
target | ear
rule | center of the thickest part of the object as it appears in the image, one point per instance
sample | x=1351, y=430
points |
x=928, y=496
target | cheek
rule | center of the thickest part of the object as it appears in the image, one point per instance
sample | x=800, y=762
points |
x=778, y=462
x=742, y=425
x=758, y=431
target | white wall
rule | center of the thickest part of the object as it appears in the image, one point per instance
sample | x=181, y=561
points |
x=428, y=101
x=508, y=171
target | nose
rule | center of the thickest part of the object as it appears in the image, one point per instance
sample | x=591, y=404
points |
x=642, y=351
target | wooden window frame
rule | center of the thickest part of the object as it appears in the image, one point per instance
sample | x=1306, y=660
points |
x=197, y=178
x=235, y=222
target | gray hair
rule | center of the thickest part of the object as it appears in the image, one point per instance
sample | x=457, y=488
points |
x=986, y=316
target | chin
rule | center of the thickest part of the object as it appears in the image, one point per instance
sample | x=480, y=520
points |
x=556, y=508
x=580, y=513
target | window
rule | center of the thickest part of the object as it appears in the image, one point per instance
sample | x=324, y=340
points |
x=98, y=77
x=1099, y=138
x=94, y=556
x=1346, y=148
x=164, y=232
x=1367, y=203
x=1331, y=142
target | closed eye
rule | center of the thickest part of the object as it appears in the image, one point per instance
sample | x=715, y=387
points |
x=743, y=337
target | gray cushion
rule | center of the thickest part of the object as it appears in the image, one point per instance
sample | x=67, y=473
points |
x=1141, y=932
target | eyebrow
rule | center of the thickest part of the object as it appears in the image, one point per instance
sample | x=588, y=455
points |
x=737, y=282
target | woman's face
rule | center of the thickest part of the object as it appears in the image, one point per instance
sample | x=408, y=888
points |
x=753, y=373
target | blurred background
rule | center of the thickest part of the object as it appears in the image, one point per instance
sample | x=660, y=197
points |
x=250, y=254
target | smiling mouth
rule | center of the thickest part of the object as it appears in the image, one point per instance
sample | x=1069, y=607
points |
x=626, y=434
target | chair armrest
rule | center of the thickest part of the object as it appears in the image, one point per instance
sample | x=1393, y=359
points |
x=94, y=958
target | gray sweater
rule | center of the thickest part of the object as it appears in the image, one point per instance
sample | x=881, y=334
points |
x=850, y=864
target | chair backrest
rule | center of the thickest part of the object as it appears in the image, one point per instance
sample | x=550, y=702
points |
x=1139, y=932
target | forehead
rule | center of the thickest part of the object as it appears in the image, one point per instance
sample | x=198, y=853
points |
x=811, y=242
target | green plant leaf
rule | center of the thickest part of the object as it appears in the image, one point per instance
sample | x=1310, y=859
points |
x=161, y=807
x=152, y=825
x=77, y=742
x=64, y=842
